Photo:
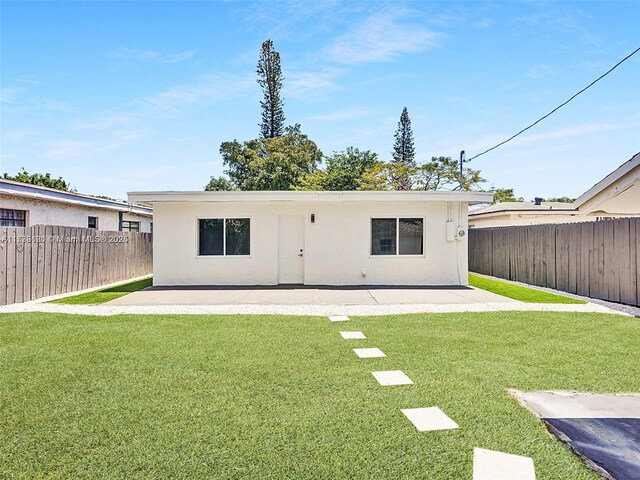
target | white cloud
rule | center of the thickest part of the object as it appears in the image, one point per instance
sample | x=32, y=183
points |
x=7, y=95
x=383, y=36
x=211, y=88
x=63, y=149
x=304, y=85
x=150, y=55
x=66, y=149
x=567, y=132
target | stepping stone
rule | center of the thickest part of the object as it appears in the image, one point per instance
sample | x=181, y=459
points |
x=392, y=377
x=492, y=465
x=353, y=335
x=369, y=352
x=339, y=318
x=428, y=419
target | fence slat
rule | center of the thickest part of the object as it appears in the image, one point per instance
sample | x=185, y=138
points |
x=597, y=259
x=19, y=245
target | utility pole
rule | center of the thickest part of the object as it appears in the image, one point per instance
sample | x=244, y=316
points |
x=462, y=160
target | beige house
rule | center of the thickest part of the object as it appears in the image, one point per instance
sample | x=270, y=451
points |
x=24, y=205
x=311, y=238
x=616, y=195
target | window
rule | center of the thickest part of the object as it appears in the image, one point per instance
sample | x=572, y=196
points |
x=397, y=236
x=92, y=222
x=128, y=226
x=13, y=218
x=228, y=236
x=383, y=236
x=151, y=227
x=410, y=236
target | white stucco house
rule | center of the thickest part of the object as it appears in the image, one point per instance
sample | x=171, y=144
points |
x=311, y=238
x=24, y=205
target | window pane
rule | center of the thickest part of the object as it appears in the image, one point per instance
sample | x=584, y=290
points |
x=237, y=236
x=93, y=222
x=411, y=241
x=12, y=218
x=210, y=236
x=383, y=236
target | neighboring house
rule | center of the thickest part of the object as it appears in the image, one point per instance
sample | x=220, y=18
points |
x=506, y=214
x=311, y=238
x=23, y=205
x=617, y=195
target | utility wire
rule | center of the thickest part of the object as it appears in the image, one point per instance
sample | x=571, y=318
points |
x=559, y=106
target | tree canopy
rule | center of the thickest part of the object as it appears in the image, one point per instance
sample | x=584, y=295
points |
x=505, y=195
x=270, y=78
x=443, y=173
x=41, y=179
x=559, y=199
x=218, y=184
x=271, y=163
x=343, y=171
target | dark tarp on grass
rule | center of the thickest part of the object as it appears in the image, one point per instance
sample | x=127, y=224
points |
x=613, y=444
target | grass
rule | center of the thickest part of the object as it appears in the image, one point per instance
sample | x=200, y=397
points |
x=285, y=397
x=517, y=292
x=101, y=296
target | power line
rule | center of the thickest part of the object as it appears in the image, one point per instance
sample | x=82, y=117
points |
x=559, y=106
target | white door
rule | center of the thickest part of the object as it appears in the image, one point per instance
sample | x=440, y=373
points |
x=291, y=249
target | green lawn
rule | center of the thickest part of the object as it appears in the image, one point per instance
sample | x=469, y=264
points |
x=285, y=397
x=101, y=296
x=524, y=294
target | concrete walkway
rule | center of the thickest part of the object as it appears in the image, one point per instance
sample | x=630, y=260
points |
x=299, y=295
x=316, y=301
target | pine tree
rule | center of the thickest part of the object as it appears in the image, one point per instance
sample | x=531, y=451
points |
x=270, y=79
x=403, y=151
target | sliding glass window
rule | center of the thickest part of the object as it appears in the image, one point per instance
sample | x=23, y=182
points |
x=223, y=236
x=397, y=236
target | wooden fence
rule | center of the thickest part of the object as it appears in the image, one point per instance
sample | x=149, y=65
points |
x=595, y=259
x=44, y=260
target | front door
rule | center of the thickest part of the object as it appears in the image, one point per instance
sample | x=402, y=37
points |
x=291, y=249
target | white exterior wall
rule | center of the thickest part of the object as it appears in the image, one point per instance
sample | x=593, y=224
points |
x=337, y=246
x=41, y=212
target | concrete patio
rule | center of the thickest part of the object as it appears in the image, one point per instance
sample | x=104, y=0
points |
x=302, y=295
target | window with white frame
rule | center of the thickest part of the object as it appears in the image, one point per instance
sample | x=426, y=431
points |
x=224, y=236
x=92, y=222
x=397, y=236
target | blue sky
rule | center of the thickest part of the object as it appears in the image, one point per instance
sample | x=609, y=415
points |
x=124, y=96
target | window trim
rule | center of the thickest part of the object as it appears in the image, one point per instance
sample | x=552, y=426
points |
x=397, y=218
x=224, y=236
x=89, y=217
